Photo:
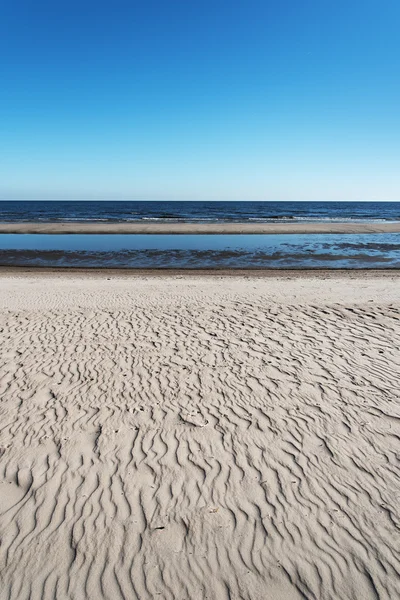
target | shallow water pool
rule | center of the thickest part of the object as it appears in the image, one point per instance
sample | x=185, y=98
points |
x=202, y=250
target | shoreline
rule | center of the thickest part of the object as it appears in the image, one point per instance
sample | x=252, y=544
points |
x=198, y=228
x=171, y=273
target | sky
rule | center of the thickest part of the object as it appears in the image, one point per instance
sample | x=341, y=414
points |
x=190, y=100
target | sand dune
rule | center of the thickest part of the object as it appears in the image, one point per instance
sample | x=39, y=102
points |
x=199, y=438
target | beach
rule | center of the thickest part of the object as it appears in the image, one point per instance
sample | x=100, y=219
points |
x=219, y=436
x=220, y=228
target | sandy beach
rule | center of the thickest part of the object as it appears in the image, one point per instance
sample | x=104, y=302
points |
x=211, y=228
x=185, y=437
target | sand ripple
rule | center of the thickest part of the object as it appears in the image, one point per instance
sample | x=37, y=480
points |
x=191, y=448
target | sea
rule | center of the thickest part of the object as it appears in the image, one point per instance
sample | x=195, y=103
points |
x=201, y=251
x=194, y=212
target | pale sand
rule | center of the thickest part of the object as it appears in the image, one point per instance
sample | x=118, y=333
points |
x=214, y=228
x=190, y=438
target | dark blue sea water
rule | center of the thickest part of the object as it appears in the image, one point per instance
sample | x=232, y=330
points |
x=278, y=251
x=207, y=212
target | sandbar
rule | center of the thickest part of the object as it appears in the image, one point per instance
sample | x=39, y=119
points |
x=198, y=228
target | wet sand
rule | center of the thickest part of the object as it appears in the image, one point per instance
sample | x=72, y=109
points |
x=176, y=436
x=211, y=228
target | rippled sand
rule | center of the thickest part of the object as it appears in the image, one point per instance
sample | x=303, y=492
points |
x=190, y=438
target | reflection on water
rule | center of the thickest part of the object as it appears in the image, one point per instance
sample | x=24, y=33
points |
x=202, y=251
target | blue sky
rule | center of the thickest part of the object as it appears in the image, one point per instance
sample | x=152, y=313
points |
x=271, y=100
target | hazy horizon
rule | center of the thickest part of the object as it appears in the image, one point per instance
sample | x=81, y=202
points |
x=111, y=200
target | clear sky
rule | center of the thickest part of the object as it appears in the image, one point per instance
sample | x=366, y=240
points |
x=188, y=99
